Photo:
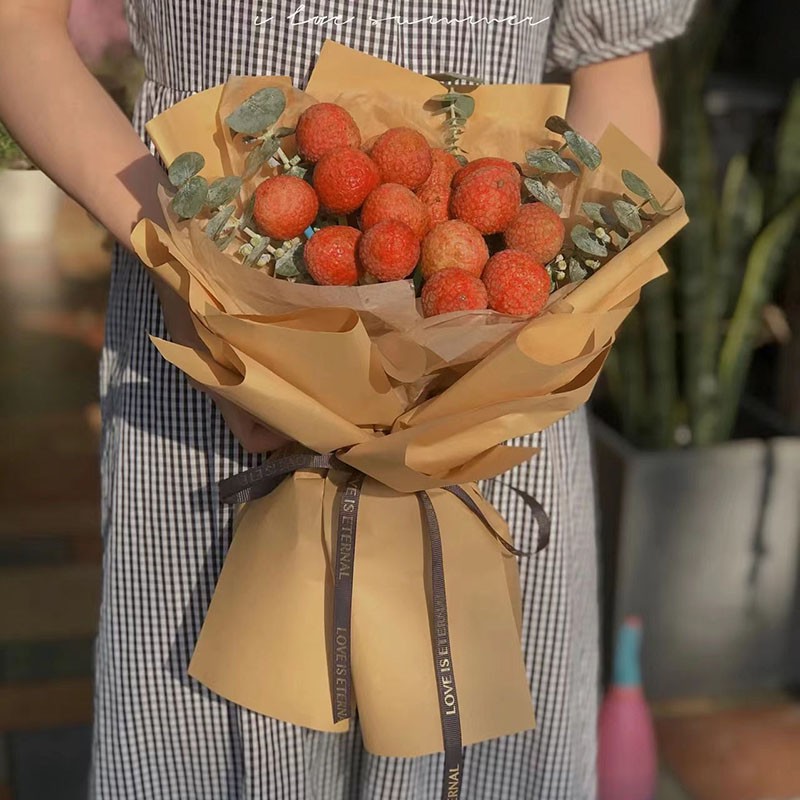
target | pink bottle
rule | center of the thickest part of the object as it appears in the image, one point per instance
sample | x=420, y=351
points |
x=627, y=763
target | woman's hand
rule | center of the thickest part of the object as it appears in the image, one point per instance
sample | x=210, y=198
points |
x=621, y=92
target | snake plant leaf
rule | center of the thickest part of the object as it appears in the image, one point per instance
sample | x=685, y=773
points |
x=636, y=185
x=546, y=194
x=585, y=240
x=218, y=221
x=787, y=155
x=628, y=215
x=583, y=149
x=191, y=198
x=223, y=190
x=546, y=160
x=185, y=166
x=557, y=124
x=258, y=112
x=258, y=250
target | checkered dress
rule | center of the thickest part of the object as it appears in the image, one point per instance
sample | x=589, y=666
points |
x=161, y=736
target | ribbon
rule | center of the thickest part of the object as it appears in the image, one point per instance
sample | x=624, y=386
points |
x=260, y=481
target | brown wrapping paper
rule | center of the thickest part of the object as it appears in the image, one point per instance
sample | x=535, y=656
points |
x=412, y=403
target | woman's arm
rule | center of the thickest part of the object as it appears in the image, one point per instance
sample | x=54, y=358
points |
x=74, y=132
x=620, y=91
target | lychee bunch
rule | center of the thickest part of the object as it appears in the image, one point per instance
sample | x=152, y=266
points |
x=330, y=256
x=324, y=127
x=398, y=202
x=403, y=156
x=435, y=192
x=453, y=244
x=389, y=250
x=284, y=207
x=516, y=283
x=536, y=230
x=488, y=199
x=480, y=163
x=453, y=289
x=343, y=178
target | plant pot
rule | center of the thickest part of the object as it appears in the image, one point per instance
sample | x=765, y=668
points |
x=29, y=203
x=703, y=544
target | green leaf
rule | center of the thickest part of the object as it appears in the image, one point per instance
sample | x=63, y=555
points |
x=282, y=133
x=287, y=265
x=247, y=213
x=596, y=212
x=223, y=190
x=576, y=271
x=628, y=215
x=251, y=259
x=546, y=194
x=260, y=155
x=573, y=165
x=258, y=112
x=417, y=280
x=218, y=221
x=546, y=160
x=618, y=241
x=450, y=77
x=225, y=240
x=787, y=152
x=583, y=149
x=297, y=171
x=185, y=166
x=585, y=240
x=557, y=124
x=636, y=185
x=191, y=197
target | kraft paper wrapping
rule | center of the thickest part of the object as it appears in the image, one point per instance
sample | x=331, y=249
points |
x=412, y=403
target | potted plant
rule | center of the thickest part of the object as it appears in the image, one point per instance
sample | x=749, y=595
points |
x=700, y=529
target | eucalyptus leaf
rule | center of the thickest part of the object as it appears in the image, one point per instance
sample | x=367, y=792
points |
x=218, y=221
x=618, y=241
x=585, y=240
x=191, y=197
x=225, y=240
x=546, y=194
x=573, y=165
x=282, y=133
x=297, y=171
x=657, y=207
x=465, y=106
x=260, y=155
x=185, y=166
x=546, y=160
x=258, y=112
x=628, y=215
x=450, y=77
x=223, y=190
x=636, y=185
x=595, y=212
x=557, y=124
x=576, y=271
x=247, y=213
x=252, y=258
x=583, y=149
x=286, y=266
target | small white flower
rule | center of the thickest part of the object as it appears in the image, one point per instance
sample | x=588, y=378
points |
x=599, y=232
x=561, y=275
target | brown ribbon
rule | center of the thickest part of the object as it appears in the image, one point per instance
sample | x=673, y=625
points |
x=259, y=481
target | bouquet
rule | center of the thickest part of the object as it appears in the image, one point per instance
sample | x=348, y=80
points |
x=400, y=273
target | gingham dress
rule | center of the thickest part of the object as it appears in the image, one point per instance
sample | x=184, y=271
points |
x=159, y=735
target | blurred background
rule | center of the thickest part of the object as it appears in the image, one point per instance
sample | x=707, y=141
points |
x=696, y=425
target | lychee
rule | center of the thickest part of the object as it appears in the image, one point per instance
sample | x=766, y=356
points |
x=389, y=250
x=453, y=244
x=394, y=201
x=516, y=284
x=443, y=167
x=343, y=178
x=488, y=199
x=330, y=255
x=481, y=163
x=452, y=290
x=403, y=156
x=436, y=198
x=536, y=230
x=324, y=127
x=284, y=206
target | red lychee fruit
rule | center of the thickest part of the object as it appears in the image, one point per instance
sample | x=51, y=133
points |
x=284, y=206
x=394, y=201
x=330, y=255
x=536, y=230
x=403, y=156
x=389, y=250
x=481, y=163
x=452, y=290
x=343, y=178
x=324, y=127
x=488, y=200
x=435, y=192
x=516, y=284
x=453, y=244
x=443, y=167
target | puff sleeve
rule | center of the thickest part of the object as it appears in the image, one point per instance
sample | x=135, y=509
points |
x=585, y=32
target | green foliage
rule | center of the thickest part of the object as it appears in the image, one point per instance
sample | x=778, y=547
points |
x=689, y=347
x=259, y=112
x=11, y=154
